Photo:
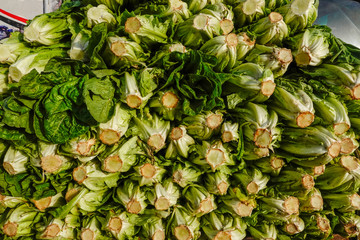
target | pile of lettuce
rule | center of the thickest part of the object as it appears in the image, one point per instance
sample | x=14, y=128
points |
x=179, y=119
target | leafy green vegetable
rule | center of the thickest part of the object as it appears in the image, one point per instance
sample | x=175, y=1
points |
x=179, y=119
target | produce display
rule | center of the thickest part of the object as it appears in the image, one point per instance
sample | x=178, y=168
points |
x=179, y=119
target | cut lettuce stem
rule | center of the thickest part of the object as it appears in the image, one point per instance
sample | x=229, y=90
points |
x=215, y=157
x=323, y=224
x=241, y=208
x=311, y=47
x=262, y=138
x=227, y=136
x=133, y=101
x=148, y=170
x=91, y=176
x=222, y=188
x=52, y=231
x=87, y=233
x=84, y=147
x=132, y=25
x=162, y=204
x=229, y=132
x=46, y=202
x=79, y=174
x=70, y=194
x=267, y=88
x=299, y=109
x=294, y=225
x=310, y=200
x=113, y=164
x=305, y=119
x=10, y=229
x=226, y=26
x=109, y=136
x=316, y=203
x=222, y=236
x=132, y=197
x=114, y=224
x=176, y=133
x=218, y=225
x=276, y=163
x=334, y=149
x=318, y=170
x=303, y=58
x=153, y=130
x=224, y=48
x=182, y=232
x=291, y=205
x=340, y=128
x=355, y=92
x=308, y=182
x=116, y=127
x=288, y=206
x=201, y=21
x=290, y=180
x=214, y=120
x=252, y=180
x=271, y=165
x=217, y=183
x=199, y=200
x=15, y=161
x=167, y=104
x=169, y=100
x=347, y=146
x=244, y=209
x=164, y=195
x=132, y=94
x=317, y=141
x=283, y=55
x=203, y=125
x=51, y=163
x=231, y=40
x=275, y=17
x=156, y=141
x=180, y=143
x=154, y=228
x=133, y=206
x=350, y=163
x=159, y=235
x=249, y=7
x=118, y=48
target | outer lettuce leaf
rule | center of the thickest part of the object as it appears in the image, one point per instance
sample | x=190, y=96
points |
x=53, y=115
x=98, y=96
x=198, y=84
x=16, y=114
x=96, y=42
x=57, y=71
x=32, y=185
x=19, y=139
